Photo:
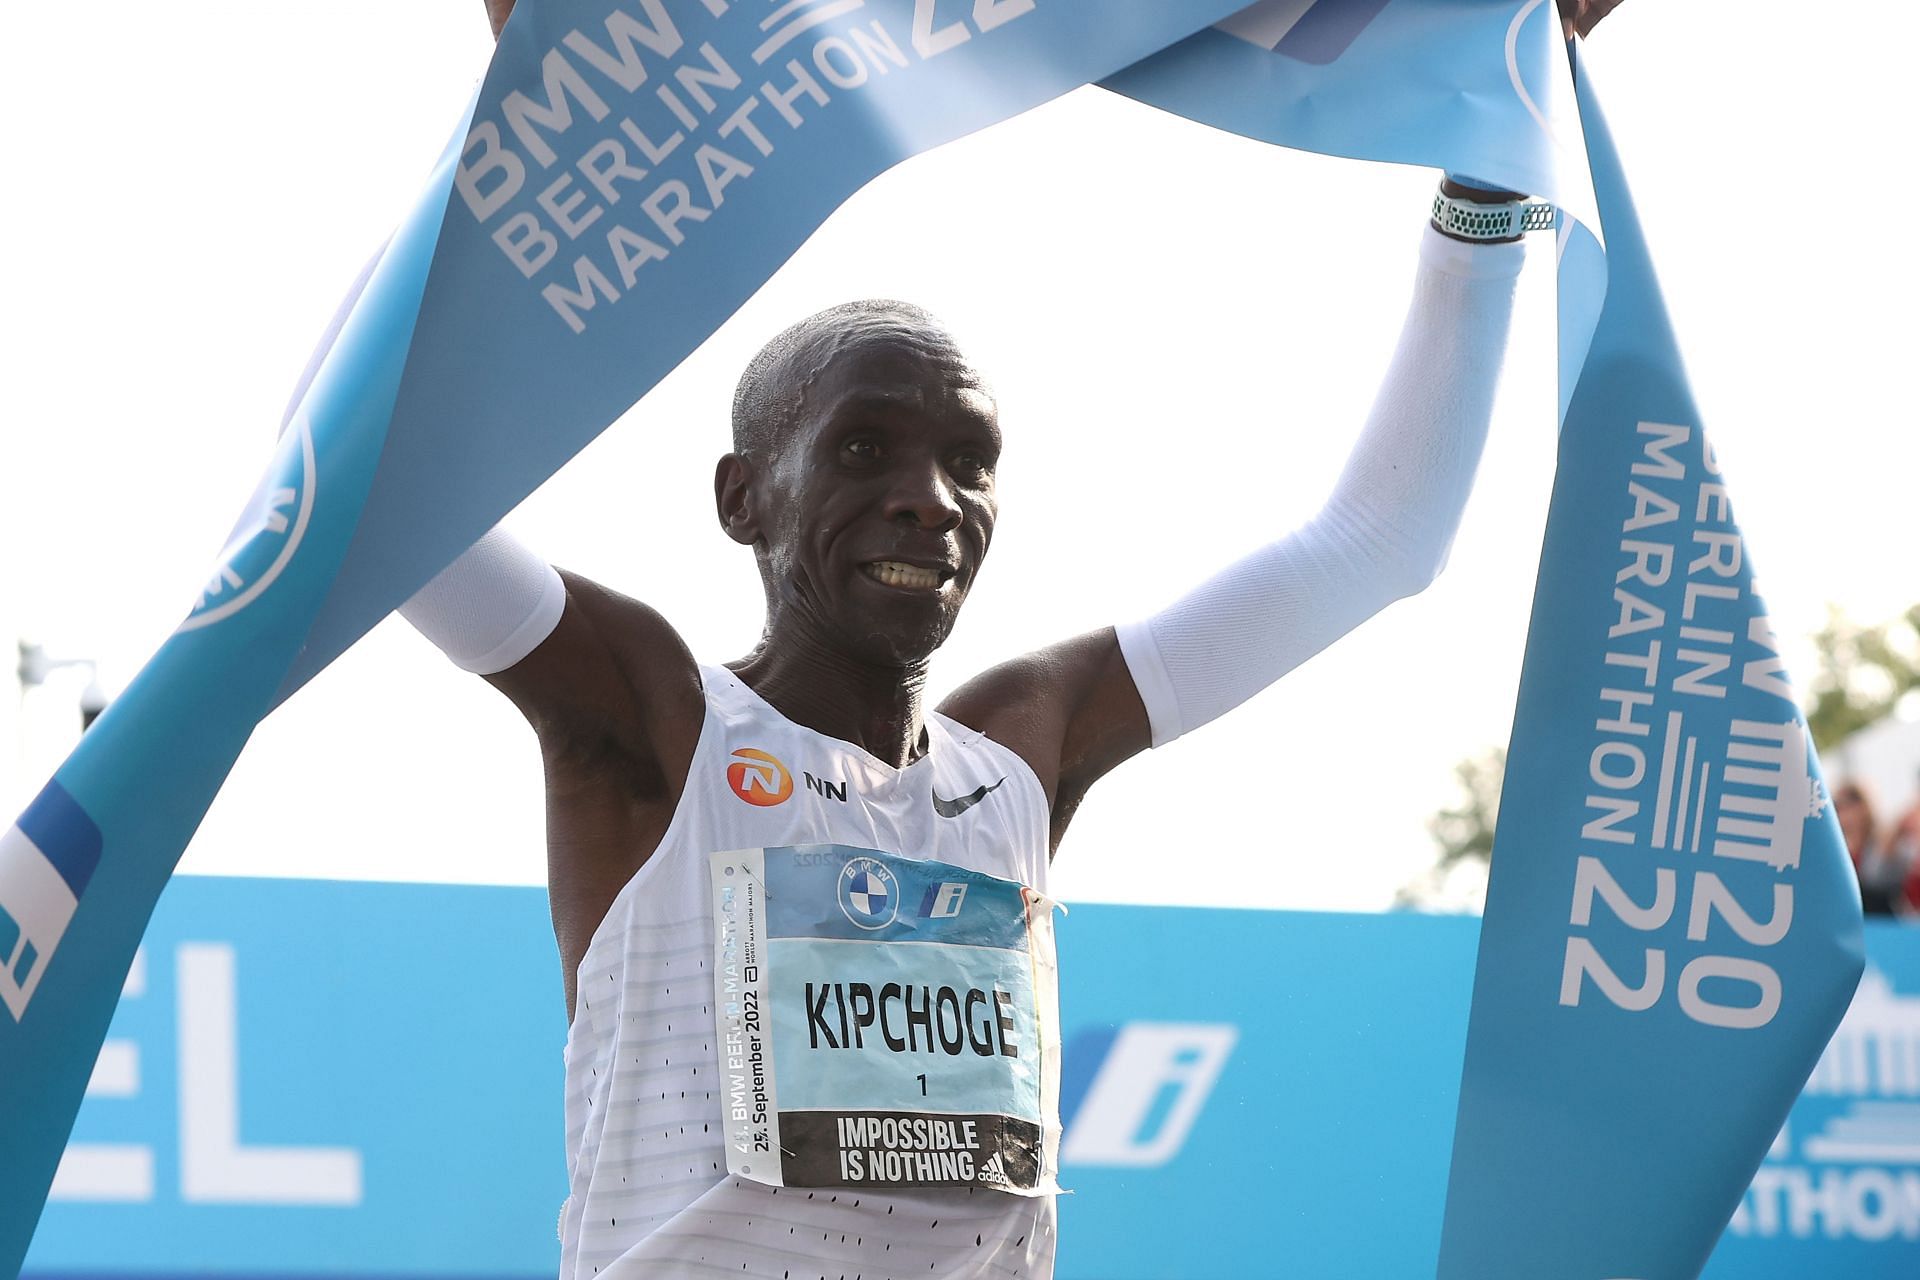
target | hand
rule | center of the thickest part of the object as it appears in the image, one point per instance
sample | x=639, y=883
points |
x=1452, y=186
x=1579, y=17
x=498, y=11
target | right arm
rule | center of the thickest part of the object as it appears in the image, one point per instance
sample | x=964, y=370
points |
x=610, y=689
x=612, y=694
x=605, y=682
x=498, y=11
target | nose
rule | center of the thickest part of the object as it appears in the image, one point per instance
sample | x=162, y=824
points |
x=922, y=494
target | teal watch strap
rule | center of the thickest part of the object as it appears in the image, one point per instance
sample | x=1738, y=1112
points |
x=1508, y=220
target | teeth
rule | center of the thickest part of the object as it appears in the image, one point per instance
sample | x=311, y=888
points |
x=894, y=574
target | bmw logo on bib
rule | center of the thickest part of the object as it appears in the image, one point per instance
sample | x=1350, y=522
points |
x=868, y=893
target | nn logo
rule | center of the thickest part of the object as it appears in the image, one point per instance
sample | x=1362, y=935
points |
x=46, y=860
x=758, y=777
x=822, y=787
x=1130, y=1095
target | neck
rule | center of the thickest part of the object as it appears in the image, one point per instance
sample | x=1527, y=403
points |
x=876, y=706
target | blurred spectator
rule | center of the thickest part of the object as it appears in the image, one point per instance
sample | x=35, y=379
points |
x=1904, y=846
x=1881, y=876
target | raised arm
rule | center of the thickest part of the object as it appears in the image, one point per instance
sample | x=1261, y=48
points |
x=1076, y=710
x=498, y=11
x=607, y=684
x=613, y=695
x=567, y=652
x=594, y=672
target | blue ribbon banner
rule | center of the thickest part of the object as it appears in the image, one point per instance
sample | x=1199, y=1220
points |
x=631, y=171
x=1672, y=925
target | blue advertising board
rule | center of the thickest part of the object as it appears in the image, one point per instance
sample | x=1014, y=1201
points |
x=323, y=1078
x=317, y=1079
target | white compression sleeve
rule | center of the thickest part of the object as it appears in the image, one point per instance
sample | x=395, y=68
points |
x=1384, y=532
x=491, y=607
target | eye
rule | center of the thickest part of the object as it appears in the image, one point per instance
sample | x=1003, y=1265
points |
x=865, y=448
x=971, y=465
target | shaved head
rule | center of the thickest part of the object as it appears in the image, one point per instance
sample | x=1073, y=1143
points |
x=773, y=391
x=862, y=475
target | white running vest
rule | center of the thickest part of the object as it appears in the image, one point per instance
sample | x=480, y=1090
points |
x=650, y=1194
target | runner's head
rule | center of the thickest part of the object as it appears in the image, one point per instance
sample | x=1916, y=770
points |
x=863, y=477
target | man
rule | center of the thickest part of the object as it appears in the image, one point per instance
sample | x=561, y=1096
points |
x=862, y=477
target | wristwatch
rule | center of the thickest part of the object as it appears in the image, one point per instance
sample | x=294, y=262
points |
x=1506, y=220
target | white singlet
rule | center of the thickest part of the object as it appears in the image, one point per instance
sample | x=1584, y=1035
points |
x=650, y=1195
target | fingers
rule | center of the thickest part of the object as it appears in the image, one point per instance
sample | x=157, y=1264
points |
x=1580, y=17
x=1591, y=11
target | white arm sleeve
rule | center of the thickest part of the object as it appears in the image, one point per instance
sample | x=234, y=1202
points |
x=491, y=607
x=1384, y=532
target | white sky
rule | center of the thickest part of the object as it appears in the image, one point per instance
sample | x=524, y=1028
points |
x=1183, y=340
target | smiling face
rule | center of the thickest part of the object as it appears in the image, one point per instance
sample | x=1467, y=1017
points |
x=864, y=479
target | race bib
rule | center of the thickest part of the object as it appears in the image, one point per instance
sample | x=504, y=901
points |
x=884, y=1022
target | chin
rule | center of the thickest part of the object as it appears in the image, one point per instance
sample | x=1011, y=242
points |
x=894, y=642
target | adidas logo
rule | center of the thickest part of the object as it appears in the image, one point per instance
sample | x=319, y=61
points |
x=994, y=1173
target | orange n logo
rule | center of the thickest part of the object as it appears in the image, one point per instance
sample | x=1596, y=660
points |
x=758, y=778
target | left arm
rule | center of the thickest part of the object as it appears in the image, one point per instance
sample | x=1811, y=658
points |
x=1077, y=709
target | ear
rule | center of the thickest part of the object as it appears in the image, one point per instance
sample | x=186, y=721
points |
x=733, y=500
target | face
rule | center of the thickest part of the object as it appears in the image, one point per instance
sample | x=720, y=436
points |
x=1856, y=819
x=875, y=511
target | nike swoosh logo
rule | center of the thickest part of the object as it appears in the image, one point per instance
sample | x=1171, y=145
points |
x=954, y=808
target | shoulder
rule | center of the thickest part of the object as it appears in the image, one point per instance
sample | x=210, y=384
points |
x=634, y=634
x=614, y=676
x=1068, y=710
x=1012, y=705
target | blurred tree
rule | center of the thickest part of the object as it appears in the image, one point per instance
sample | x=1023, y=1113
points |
x=1862, y=674
x=1466, y=830
x=1463, y=833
